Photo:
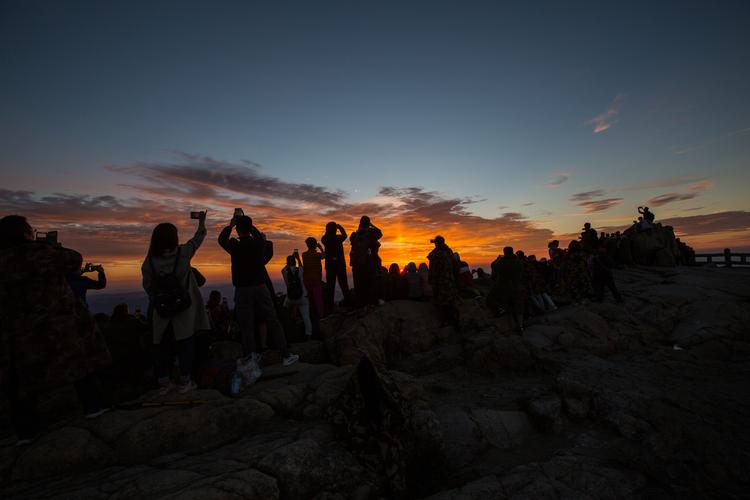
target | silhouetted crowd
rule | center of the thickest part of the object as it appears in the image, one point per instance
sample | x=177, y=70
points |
x=50, y=339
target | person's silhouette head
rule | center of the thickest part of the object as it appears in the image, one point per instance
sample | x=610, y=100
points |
x=520, y=254
x=553, y=244
x=14, y=230
x=411, y=267
x=214, y=298
x=364, y=222
x=438, y=241
x=331, y=227
x=244, y=223
x=311, y=243
x=163, y=239
x=574, y=246
x=587, y=225
x=508, y=252
x=394, y=269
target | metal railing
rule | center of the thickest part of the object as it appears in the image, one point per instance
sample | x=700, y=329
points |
x=727, y=258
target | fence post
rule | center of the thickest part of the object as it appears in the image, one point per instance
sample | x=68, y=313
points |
x=727, y=257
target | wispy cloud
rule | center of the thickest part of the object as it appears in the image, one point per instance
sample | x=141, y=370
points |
x=692, y=192
x=663, y=182
x=605, y=120
x=559, y=178
x=600, y=205
x=587, y=195
x=203, y=177
x=682, y=150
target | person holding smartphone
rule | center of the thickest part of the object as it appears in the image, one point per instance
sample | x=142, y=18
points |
x=251, y=294
x=81, y=284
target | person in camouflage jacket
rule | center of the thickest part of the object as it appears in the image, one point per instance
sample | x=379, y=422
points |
x=47, y=336
x=442, y=278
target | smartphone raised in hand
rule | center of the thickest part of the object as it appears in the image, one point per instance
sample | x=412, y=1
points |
x=195, y=215
x=238, y=212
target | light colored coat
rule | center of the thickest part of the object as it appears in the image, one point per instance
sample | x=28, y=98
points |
x=195, y=317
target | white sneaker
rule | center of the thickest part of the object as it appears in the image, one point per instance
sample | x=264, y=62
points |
x=291, y=359
x=166, y=389
x=190, y=386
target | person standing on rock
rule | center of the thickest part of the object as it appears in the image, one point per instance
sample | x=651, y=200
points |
x=297, y=295
x=333, y=243
x=365, y=261
x=508, y=290
x=576, y=273
x=443, y=271
x=251, y=294
x=601, y=277
x=177, y=304
x=312, y=263
x=589, y=238
x=48, y=339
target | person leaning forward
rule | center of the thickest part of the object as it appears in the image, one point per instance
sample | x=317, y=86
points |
x=250, y=291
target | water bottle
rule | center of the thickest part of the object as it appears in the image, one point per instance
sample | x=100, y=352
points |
x=236, y=385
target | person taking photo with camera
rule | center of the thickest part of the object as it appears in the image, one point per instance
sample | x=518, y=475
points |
x=81, y=284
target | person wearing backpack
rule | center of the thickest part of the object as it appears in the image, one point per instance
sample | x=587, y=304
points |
x=365, y=261
x=296, y=295
x=251, y=294
x=175, y=301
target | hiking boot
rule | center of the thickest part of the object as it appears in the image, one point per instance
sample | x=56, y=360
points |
x=290, y=359
x=187, y=387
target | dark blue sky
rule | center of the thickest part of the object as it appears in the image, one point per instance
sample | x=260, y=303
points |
x=487, y=100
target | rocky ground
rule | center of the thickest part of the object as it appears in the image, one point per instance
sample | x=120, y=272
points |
x=646, y=399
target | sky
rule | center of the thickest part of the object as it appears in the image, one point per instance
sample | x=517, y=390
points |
x=491, y=123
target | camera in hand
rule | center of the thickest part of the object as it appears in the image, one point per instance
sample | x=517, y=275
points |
x=238, y=212
x=195, y=215
x=89, y=267
x=48, y=237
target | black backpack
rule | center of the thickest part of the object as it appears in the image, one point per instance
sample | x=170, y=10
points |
x=169, y=297
x=294, y=286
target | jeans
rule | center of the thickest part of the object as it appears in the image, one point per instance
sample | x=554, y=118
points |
x=304, y=310
x=247, y=301
x=185, y=353
x=334, y=273
x=315, y=295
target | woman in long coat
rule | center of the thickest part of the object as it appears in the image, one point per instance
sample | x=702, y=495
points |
x=47, y=336
x=163, y=252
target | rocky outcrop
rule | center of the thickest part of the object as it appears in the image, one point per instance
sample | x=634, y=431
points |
x=644, y=399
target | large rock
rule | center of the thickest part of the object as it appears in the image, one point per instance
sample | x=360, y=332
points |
x=385, y=334
x=304, y=469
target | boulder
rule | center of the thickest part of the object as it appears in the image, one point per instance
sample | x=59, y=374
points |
x=385, y=334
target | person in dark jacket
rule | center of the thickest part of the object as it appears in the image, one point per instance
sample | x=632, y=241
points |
x=365, y=261
x=508, y=291
x=335, y=262
x=48, y=338
x=251, y=293
x=81, y=284
x=443, y=270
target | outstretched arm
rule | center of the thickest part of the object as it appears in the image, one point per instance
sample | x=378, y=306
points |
x=343, y=232
x=224, y=240
x=200, y=234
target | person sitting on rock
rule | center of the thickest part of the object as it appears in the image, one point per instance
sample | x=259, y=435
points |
x=218, y=315
x=507, y=292
x=443, y=279
x=296, y=294
x=424, y=276
x=536, y=286
x=251, y=292
x=365, y=261
x=312, y=276
x=465, y=278
x=413, y=282
x=48, y=339
x=394, y=283
x=576, y=273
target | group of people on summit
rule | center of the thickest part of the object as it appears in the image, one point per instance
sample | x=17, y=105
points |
x=49, y=337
